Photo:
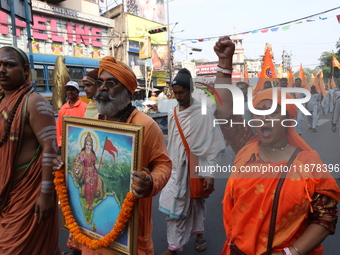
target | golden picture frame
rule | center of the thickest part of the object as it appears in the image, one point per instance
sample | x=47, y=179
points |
x=99, y=157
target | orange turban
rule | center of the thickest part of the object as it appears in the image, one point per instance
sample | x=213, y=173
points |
x=120, y=71
x=293, y=137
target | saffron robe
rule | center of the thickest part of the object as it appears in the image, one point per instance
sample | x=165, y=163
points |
x=20, y=232
x=248, y=198
x=156, y=159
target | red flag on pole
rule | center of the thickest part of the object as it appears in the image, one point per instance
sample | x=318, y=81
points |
x=110, y=148
x=267, y=72
x=338, y=17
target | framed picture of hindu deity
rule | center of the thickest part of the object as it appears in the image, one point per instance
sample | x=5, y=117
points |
x=99, y=157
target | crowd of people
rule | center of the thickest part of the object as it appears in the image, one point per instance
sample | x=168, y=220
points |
x=318, y=105
x=277, y=213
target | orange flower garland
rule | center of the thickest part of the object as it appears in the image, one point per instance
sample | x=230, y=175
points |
x=123, y=217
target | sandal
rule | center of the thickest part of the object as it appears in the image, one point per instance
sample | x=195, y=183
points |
x=198, y=246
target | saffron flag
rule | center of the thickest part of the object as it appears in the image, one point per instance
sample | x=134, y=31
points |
x=267, y=71
x=316, y=81
x=311, y=81
x=302, y=76
x=111, y=149
x=322, y=84
x=335, y=62
x=290, y=78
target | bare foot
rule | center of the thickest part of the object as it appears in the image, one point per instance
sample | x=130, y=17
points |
x=168, y=252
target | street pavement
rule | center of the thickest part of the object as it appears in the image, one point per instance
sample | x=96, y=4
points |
x=324, y=141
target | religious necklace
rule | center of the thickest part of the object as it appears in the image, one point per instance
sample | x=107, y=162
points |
x=274, y=148
x=281, y=147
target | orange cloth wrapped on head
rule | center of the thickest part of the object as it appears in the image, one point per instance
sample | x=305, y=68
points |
x=120, y=71
x=292, y=136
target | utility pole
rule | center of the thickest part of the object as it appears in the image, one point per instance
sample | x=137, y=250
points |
x=14, y=28
x=29, y=39
x=169, y=43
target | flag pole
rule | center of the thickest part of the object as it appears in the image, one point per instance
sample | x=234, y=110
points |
x=332, y=76
x=101, y=157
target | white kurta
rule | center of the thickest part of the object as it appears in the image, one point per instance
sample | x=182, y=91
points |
x=185, y=216
x=205, y=141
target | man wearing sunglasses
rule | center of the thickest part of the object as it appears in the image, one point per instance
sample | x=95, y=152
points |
x=116, y=84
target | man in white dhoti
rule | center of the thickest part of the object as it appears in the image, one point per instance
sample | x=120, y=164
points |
x=184, y=215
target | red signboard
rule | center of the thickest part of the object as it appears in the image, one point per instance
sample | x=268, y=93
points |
x=206, y=69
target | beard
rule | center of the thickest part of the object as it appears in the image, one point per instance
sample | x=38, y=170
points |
x=111, y=106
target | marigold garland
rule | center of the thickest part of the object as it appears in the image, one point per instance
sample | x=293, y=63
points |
x=123, y=217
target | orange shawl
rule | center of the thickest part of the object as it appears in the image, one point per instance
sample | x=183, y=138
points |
x=247, y=202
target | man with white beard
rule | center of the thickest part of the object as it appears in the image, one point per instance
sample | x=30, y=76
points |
x=116, y=84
